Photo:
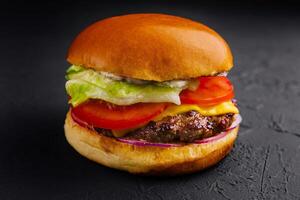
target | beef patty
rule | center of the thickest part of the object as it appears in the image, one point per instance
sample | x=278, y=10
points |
x=185, y=127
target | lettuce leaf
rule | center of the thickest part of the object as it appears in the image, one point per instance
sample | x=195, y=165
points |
x=86, y=84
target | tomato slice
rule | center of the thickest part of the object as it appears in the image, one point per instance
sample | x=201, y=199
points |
x=105, y=115
x=212, y=90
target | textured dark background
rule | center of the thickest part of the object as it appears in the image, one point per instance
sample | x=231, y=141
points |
x=37, y=163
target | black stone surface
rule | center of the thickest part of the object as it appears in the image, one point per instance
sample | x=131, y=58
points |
x=37, y=163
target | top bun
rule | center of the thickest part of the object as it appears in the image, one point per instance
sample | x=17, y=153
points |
x=151, y=47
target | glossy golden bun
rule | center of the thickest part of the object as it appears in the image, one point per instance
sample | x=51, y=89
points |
x=148, y=160
x=155, y=47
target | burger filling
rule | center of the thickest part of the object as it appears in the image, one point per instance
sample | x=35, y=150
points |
x=185, y=127
x=161, y=112
x=84, y=84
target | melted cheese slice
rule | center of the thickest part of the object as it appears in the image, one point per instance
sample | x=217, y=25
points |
x=222, y=108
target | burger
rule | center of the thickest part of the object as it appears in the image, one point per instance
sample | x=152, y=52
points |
x=148, y=94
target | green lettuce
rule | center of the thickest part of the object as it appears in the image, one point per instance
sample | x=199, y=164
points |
x=83, y=84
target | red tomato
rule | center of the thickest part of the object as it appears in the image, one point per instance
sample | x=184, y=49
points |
x=105, y=115
x=211, y=91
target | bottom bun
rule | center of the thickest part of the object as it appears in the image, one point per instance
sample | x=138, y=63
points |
x=149, y=160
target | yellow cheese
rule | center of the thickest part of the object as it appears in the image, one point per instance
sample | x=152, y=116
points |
x=121, y=133
x=222, y=108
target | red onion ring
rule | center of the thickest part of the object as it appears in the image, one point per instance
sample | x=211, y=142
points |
x=234, y=101
x=144, y=143
x=235, y=123
x=223, y=74
x=211, y=139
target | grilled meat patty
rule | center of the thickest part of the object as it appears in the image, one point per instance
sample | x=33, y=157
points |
x=185, y=127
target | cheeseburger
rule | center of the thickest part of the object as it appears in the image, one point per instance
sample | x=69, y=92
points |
x=148, y=94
